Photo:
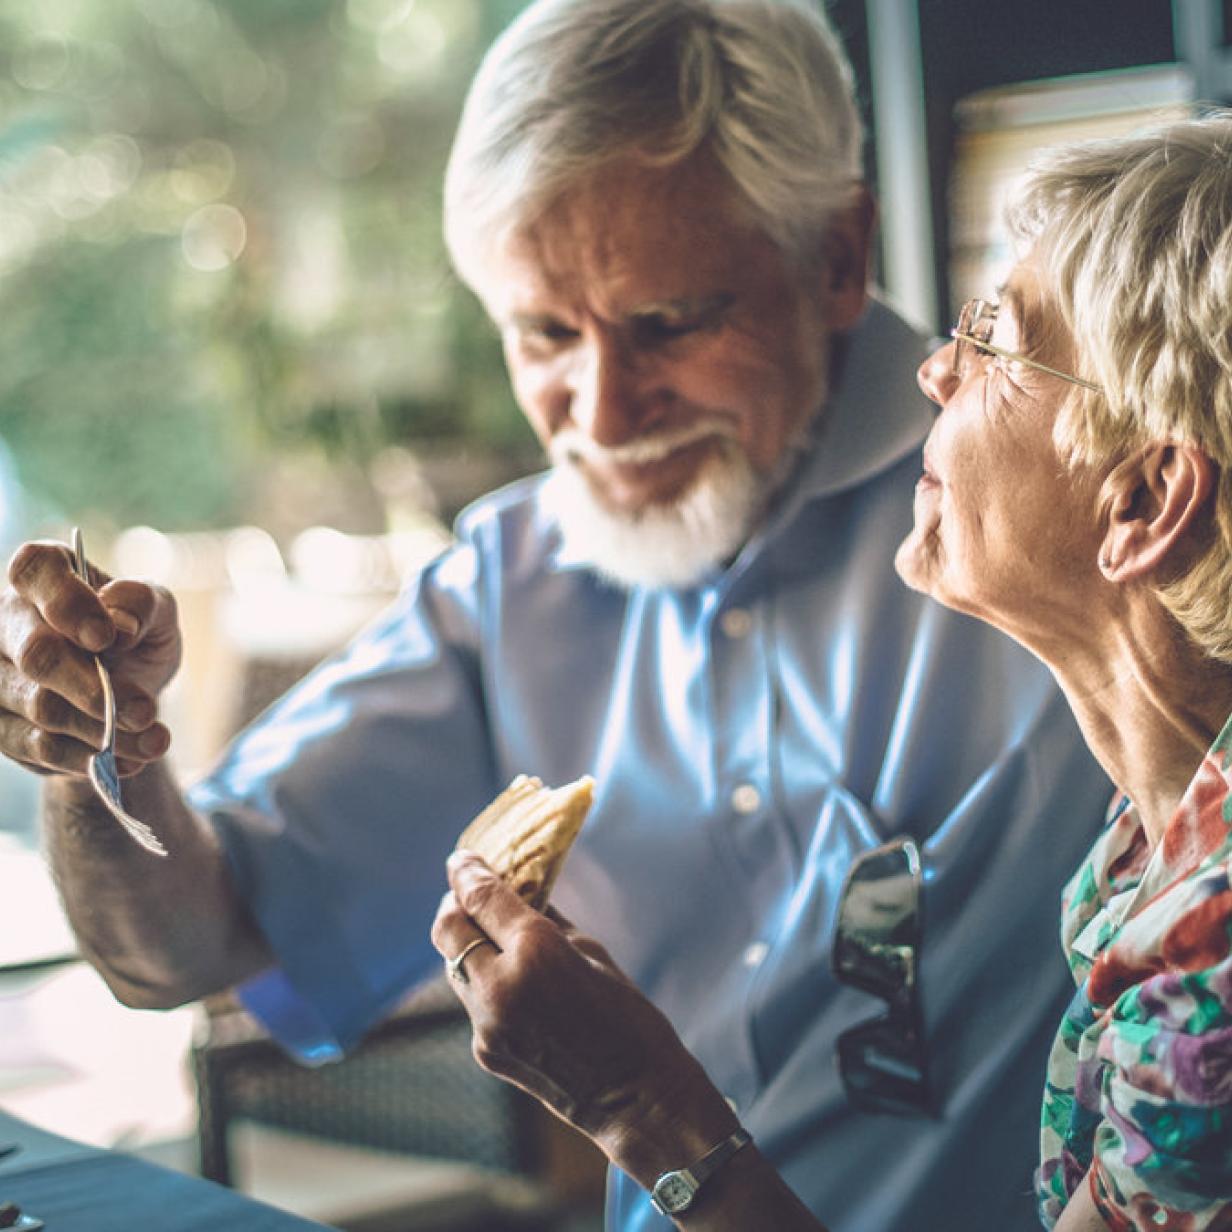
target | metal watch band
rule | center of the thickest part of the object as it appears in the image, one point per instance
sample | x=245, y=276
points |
x=674, y=1192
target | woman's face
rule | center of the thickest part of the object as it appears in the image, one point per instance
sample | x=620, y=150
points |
x=1004, y=528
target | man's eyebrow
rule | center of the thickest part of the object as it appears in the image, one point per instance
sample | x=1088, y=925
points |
x=531, y=320
x=686, y=306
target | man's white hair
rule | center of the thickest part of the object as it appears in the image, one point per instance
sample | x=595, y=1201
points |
x=762, y=85
x=1133, y=239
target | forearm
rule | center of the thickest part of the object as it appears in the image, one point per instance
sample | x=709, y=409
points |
x=161, y=931
x=747, y=1190
x=1080, y=1213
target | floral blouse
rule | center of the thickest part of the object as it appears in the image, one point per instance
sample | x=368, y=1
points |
x=1139, y=1086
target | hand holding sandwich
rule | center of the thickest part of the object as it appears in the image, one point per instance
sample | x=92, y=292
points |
x=553, y=1014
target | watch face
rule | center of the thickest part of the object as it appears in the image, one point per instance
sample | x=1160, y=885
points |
x=674, y=1192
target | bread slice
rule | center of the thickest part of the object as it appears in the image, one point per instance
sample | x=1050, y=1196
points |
x=526, y=832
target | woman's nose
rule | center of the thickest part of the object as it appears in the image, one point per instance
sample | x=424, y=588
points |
x=936, y=374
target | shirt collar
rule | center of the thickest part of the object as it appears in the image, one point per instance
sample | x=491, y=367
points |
x=877, y=414
x=1199, y=829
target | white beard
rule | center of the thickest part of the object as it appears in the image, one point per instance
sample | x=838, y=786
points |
x=664, y=545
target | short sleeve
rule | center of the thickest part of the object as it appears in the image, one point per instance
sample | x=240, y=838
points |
x=1163, y=1149
x=338, y=807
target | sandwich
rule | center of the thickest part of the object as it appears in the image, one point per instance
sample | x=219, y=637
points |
x=526, y=832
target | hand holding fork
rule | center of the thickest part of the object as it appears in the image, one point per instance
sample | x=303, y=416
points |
x=103, y=772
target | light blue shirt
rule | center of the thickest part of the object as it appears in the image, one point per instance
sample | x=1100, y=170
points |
x=749, y=736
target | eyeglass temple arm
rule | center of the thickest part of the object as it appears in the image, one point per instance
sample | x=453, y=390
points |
x=990, y=349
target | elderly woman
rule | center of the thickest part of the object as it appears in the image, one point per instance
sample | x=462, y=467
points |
x=1077, y=495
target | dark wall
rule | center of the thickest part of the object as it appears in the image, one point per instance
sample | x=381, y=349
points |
x=969, y=45
x=972, y=44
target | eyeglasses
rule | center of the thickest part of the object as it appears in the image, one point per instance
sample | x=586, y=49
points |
x=972, y=334
x=877, y=941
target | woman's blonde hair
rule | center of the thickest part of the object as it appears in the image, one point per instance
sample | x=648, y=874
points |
x=572, y=84
x=1132, y=238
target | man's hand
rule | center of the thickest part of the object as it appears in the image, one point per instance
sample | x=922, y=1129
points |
x=160, y=932
x=553, y=1014
x=51, y=700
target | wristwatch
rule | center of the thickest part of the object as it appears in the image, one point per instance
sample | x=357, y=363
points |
x=674, y=1192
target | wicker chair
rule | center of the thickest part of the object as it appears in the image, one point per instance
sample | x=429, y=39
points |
x=411, y=1089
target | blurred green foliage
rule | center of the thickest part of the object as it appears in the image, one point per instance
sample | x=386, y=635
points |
x=220, y=246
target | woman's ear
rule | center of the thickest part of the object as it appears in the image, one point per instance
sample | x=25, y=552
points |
x=847, y=261
x=1154, y=502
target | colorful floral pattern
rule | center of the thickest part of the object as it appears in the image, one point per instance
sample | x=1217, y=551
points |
x=1139, y=1086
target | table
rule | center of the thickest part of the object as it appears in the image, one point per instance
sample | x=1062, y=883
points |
x=77, y=1188
x=36, y=933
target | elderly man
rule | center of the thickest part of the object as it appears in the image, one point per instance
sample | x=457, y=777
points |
x=660, y=204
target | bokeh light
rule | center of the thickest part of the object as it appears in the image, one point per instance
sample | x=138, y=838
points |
x=213, y=237
x=221, y=260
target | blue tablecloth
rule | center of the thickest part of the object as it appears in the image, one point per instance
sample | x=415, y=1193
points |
x=78, y=1188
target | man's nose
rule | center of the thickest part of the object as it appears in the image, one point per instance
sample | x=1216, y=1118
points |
x=606, y=402
x=936, y=375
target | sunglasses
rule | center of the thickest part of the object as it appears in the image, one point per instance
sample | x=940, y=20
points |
x=876, y=949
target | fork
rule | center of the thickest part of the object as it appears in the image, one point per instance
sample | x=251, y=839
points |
x=103, y=772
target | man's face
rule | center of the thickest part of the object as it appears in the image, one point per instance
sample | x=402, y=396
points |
x=661, y=345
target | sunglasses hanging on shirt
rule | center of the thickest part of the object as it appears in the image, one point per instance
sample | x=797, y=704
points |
x=876, y=949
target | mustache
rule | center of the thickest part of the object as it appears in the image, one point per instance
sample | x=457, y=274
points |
x=571, y=445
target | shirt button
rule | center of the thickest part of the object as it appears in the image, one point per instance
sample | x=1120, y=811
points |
x=736, y=622
x=746, y=799
x=755, y=954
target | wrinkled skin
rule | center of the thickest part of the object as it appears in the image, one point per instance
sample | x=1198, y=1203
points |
x=186, y=933
x=51, y=701
x=553, y=1014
